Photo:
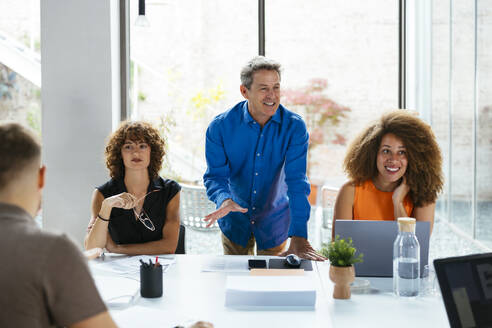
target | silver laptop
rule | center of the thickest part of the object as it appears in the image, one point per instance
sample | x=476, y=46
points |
x=375, y=240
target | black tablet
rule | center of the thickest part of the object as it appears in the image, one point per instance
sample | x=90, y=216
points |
x=466, y=288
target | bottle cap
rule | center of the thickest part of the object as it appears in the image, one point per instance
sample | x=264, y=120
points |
x=406, y=224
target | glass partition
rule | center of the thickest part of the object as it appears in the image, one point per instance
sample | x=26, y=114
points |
x=20, y=64
x=340, y=62
x=484, y=123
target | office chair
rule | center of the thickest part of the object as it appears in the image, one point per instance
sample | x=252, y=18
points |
x=180, y=249
x=194, y=206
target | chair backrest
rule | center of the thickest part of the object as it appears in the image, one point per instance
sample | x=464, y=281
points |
x=194, y=206
x=180, y=248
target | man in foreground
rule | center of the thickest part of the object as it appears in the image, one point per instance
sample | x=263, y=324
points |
x=44, y=278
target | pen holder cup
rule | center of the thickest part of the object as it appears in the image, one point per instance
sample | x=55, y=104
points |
x=151, y=281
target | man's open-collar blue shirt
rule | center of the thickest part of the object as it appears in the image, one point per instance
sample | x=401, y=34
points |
x=261, y=169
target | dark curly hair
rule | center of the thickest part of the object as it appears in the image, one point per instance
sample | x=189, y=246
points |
x=424, y=169
x=136, y=132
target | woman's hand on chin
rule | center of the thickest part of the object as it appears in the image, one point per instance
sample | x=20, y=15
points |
x=401, y=191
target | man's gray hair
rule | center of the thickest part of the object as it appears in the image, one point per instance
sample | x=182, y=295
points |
x=256, y=64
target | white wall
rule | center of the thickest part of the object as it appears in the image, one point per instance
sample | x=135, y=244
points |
x=78, y=98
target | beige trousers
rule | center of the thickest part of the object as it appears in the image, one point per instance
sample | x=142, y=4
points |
x=231, y=248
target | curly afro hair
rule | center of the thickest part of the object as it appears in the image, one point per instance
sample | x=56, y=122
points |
x=424, y=170
x=136, y=132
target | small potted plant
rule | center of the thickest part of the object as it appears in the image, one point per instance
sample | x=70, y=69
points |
x=341, y=254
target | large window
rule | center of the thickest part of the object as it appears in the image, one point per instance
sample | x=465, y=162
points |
x=185, y=70
x=185, y=73
x=462, y=114
x=342, y=55
x=20, y=66
x=484, y=122
x=340, y=71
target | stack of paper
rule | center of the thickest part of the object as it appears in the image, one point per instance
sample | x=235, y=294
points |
x=265, y=291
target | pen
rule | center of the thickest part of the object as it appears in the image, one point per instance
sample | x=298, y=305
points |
x=144, y=264
x=150, y=262
x=156, y=261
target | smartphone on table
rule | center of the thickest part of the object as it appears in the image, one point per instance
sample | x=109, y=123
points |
x=256, y=264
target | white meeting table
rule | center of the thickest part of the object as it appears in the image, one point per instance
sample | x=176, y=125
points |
x=191, y=295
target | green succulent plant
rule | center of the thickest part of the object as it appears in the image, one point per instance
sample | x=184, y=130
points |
x=341, y=252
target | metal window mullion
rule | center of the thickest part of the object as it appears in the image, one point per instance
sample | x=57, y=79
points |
x=261, y=27
x=450, y=114
x=475, y=129
x=124, y=59
x=402, y=76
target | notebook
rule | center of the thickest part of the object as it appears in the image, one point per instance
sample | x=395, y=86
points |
x=375, y=240
x=466, y=288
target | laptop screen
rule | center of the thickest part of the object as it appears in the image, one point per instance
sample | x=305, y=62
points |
x=375, y=240
x=466, y=287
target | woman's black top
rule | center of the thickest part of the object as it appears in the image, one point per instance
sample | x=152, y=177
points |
x=123, y=227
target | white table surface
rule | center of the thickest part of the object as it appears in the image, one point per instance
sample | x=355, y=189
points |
x=191, y=295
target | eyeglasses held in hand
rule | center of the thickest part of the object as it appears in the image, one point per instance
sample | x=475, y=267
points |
x=143, y=216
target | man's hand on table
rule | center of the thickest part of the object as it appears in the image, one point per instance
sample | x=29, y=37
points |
x=302, y=248
x=227, y=206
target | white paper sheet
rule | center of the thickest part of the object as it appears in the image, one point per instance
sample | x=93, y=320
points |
x=138, y=316
x=117, y=292
x=223, y=264
x=129, y=266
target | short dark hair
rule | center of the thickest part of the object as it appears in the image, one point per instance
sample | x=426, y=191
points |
x=19, y=148
x=256, y=64
x=139, y=132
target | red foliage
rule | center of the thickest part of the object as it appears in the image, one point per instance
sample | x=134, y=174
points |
x=320, y=113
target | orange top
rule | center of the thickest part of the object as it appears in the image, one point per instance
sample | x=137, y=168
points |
x=373, y=204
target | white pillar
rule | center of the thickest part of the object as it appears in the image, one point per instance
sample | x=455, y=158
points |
x=80, y=79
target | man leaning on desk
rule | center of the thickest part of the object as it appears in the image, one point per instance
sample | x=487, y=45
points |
x=256, y=170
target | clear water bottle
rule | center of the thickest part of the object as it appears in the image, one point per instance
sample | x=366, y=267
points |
x=406, y=260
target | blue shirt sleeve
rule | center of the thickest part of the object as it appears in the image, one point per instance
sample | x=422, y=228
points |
x=298, y=187
x=216, y=178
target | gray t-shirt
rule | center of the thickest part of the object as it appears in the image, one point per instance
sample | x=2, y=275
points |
x=44, y=278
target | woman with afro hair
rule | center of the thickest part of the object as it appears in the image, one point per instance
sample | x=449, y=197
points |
x=136, y=211
x=394, y=167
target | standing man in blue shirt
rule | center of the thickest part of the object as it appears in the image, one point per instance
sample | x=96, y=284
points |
x=256, y=170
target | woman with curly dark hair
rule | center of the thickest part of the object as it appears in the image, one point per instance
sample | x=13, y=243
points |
x=136, y=211
x=394, y=167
